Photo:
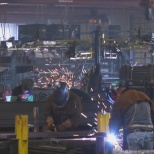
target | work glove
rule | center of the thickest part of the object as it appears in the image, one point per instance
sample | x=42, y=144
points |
x=64, y=126
x=53, y=128
x=49, y=122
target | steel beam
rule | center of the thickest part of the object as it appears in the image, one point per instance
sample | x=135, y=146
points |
x=98, y=3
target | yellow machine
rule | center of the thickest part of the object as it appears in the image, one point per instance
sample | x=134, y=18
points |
x=103, y=122
x=21, y=131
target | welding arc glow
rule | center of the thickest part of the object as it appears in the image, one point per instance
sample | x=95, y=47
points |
x=110, y=99
x=111, y=138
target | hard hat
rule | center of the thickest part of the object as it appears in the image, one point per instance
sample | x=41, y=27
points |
x=117, y=84
x=121, y=83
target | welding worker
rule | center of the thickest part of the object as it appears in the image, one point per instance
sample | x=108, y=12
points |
x=133, y=112
x=23, y=92
x=63, y=109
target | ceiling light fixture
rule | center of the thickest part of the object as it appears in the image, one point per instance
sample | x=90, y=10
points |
x=65, y=1
x=4, y=3
x=85, y=53
x=75, y=58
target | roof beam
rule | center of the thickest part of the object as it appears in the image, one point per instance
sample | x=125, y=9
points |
x=70, y=11
x=94, y=3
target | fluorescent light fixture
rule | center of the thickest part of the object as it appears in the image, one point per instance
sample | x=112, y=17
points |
x=4, y=3
x=85, y=53
x=49, y=42
x=75, y=58
x=65, y=1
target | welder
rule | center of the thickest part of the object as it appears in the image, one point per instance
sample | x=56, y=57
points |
x=23, y=92
x=63, y=109
x=132, y=111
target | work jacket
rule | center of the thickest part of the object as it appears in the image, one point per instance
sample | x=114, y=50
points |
x=71, y=111
x=123, y=105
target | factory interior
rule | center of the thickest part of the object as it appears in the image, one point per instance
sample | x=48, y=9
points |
x=88, y=44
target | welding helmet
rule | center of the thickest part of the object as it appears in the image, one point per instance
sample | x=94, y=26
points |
x=61, y=94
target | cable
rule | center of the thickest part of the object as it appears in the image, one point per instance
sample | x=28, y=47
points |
x=9, y=30
x=3, y=31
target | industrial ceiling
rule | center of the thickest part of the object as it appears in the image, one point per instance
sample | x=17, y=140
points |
x=39, y=11
x=76, y=12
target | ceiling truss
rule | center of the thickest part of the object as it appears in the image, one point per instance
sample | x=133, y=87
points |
x=20, y=11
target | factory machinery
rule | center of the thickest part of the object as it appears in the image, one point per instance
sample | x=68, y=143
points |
x=83, y=141
x=89, y=139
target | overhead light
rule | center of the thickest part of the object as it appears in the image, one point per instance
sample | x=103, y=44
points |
x=85, y=53
x=49, y=42
x=4, y=3
x=75, y=58
x=65, y=1
x=94, y=20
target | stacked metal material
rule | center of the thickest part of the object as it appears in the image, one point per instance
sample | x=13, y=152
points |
x=140, y=75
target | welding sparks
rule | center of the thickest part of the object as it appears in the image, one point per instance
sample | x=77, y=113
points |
x=91, y=134
x=89, y=124
x=95, y=131
x=99, y=95
x=60, y=73
x=95, y=123
x=95, y=119
x=91, y=90
x=83, y=115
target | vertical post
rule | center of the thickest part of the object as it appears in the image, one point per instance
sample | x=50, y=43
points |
x=21, y=131
x=100, y=144
x=13, y=62
x=132, y=53
x=36, y=119
x=103, y=122
x=102, y=147
x=13, y=146
x=96, y=41
x=91, y=49
x=97, y=46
